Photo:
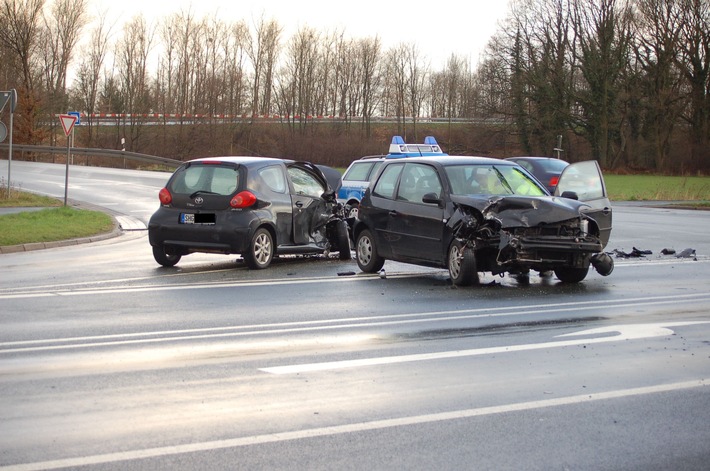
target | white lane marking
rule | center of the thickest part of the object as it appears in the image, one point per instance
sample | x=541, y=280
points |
x=329, y=324
x=349, y=428
x=60, y=289
x=624, y=332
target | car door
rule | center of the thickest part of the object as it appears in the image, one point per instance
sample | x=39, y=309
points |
x=271, y=183
x=309, y=209
x=585, y=179
x=381, y=203
x=418, y=226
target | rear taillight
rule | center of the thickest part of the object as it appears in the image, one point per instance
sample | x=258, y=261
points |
x=553, y=181
x=165, y=196
x=243, y=199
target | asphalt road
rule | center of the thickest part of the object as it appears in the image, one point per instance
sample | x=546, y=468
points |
x=108, y=361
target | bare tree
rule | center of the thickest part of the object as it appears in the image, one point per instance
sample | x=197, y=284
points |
x=417, y=71
x=297, y=80
x=370, y=59
x=263, y=50
x=19, y=34
x=235, y=76
x=132, y=58
x=396, y=86
x=58, y=39
x=89, y=71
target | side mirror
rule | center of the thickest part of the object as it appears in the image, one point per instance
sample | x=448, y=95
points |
x=431, y=198
x=570, y=195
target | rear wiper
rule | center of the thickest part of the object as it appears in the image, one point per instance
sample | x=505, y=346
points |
x=203, y=192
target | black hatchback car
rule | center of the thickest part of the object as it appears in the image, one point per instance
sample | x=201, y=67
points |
x=252, y=206
x=475, y=214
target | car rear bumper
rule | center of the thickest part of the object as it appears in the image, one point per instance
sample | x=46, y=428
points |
x=229, y=235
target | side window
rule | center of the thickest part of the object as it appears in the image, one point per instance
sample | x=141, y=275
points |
x=417, y=181
x=304, y=183
x=388, y=180
x=358, y=171
x=274, y=178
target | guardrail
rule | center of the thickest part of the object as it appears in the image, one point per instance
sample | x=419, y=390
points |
x=62, y=150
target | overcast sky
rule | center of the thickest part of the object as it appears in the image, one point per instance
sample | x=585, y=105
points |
x=439, y=29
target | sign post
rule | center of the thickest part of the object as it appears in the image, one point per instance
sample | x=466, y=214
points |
x=10, y=96
x=68, y=122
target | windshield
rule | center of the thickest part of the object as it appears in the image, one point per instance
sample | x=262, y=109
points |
x=489, y=179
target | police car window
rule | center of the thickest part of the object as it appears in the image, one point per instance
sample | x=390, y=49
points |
x=273, y=176
x=304, y=183
x=385, y=185
x=359, y=171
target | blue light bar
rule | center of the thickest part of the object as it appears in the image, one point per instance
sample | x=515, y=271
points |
x=399, y=148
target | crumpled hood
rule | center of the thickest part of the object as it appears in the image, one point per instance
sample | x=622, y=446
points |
x=523, y=211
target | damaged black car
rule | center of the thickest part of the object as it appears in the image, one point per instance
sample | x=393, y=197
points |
x=256, y=207
x=476, y=214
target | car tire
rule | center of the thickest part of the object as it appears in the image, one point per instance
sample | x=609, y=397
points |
x=164, y=259
x=352, y=210
x=571, y=274
x=261, y=250
x=366, y=253
x=343, y=236
x=462, y=264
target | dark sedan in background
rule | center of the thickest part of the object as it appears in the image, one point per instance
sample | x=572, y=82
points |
x=546, y=169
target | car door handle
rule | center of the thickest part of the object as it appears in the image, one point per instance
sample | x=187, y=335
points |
x=606, y=211
x=299, y=204
x=393, y=214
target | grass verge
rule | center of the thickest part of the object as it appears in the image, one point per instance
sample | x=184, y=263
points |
x=659, y=188
x=52, y=224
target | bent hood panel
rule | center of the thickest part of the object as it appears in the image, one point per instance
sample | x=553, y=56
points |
x=524, y=211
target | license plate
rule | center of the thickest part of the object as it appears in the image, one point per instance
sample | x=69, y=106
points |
x=202, y=218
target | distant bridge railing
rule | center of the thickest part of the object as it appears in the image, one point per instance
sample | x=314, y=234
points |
x=84, y=151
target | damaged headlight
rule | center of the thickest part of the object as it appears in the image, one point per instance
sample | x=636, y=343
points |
x=584, y=226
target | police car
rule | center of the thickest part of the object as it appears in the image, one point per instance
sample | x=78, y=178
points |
x=358, y=175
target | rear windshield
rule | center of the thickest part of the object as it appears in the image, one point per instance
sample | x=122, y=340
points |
x=553, y=165
x=214, y=179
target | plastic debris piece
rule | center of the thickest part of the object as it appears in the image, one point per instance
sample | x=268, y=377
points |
x=668, y=251
x=635, y=253
x=687, y=253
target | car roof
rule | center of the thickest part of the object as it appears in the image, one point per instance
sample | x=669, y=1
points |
x=244, y=160
x=455, y=160
x=528, y=157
